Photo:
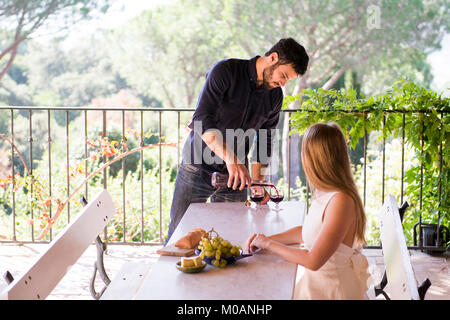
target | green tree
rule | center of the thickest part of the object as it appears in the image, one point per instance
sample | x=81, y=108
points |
x=371, y=37
x=168, y=50
x=22, y=18
x=71, y=77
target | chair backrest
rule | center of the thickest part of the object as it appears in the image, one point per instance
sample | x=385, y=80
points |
x=63, y=252
x=400, y=275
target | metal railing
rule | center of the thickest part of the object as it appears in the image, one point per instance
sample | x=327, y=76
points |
x=29, y=112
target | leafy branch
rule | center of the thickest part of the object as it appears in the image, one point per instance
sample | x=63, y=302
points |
x=425, y=116
x=61, y=205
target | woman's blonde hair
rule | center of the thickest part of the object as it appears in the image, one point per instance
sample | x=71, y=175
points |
x=327, y=166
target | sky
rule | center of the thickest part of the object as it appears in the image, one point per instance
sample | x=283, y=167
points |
x=123, y=10
x=119, y=13
x=440, y=64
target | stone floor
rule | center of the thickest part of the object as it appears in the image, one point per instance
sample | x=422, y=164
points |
x=75, y=285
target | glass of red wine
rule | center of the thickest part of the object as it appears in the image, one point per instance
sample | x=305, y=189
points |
x=257, y=194
x=276, y=195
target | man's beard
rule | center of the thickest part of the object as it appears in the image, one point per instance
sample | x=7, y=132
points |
x=267, y=76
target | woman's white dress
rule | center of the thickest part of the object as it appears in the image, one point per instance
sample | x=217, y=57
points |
x=344, y=276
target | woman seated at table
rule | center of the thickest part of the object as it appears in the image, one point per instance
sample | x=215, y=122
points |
x=333, y=230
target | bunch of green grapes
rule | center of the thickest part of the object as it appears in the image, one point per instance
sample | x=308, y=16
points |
x=217, y=248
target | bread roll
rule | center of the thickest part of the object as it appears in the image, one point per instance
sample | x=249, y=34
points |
x=191, y=240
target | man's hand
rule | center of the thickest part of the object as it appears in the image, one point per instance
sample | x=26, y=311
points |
x=238, y=174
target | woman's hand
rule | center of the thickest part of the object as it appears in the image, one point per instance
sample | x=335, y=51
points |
x=248, y=247
x=257, y=241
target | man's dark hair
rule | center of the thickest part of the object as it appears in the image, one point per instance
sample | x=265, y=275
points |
x=291, y=52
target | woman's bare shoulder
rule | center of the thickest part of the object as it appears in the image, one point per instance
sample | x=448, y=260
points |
x=343, y=204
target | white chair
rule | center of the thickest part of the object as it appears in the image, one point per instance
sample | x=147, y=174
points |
x=399, y=272
x=63, y=252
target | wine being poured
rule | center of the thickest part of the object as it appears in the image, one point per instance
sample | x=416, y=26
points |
x=221, y=180
x=276, y=197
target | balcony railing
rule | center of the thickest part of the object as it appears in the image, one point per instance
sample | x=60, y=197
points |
x=92, y=120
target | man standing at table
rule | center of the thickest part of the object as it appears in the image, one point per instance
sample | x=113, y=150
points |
x=238, y=96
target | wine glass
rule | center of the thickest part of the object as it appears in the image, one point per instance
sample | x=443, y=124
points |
x=276, y=195
x=256, y=194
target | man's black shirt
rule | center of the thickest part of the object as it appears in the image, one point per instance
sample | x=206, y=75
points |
x=230, y=100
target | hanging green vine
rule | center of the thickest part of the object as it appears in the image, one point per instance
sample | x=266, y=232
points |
x=426, y=116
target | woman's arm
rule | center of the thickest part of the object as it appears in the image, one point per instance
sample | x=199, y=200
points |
x=290, y=236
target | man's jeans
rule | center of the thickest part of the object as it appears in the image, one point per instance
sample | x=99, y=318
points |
x=194, y=186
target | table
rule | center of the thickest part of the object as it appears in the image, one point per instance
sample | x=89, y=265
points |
x=263, y=276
